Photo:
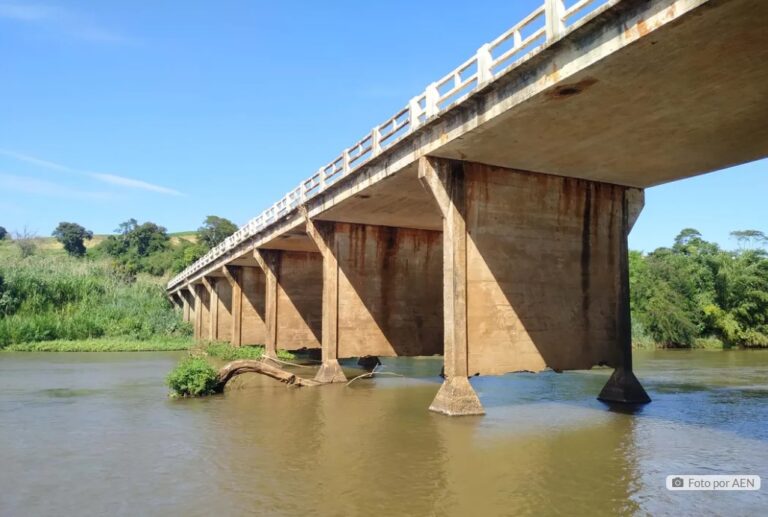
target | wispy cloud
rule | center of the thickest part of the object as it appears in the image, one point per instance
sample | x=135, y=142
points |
x=61, y=20
x=46, y=188
x=112, y=179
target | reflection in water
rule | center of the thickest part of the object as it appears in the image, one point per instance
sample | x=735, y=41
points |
x=95, y=434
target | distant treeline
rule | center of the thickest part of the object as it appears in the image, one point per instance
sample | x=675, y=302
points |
x=134, y=248
x=695, y=294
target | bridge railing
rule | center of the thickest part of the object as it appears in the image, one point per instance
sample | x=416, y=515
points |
x=545, y=24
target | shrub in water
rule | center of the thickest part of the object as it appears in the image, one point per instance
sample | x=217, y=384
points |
x=193, y=377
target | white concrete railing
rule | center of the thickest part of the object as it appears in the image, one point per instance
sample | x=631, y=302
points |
x=547, y=23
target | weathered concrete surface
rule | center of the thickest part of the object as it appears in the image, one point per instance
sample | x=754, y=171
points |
x=204, y=324
x=543, y=270
x=322, y=234
x=298, y=300
x=623, y=387
x=389, y=285
x=233, y=274
x=223, y=310
x=187, y=302
x=535, y=273
x=253, y=291
x=456, y=397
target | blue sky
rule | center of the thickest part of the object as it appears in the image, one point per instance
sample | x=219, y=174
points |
x=170, y=111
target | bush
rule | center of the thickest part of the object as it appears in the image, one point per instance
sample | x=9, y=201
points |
x=58, y=297
x=227, y=352
x=192, y=377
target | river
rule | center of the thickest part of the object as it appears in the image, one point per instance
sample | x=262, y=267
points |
x=95, y=434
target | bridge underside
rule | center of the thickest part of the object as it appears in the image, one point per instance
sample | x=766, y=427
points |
x=528, y=272
x=497, y=235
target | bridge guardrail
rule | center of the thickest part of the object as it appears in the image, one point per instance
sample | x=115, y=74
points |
x=547, y=23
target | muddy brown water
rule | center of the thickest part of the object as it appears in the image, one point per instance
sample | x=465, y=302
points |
x=95, y=434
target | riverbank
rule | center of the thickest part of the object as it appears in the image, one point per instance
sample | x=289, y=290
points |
x=62, y=302
x=108, y=344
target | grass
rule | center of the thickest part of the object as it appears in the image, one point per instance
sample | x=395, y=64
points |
x=111, y=344
x=50, y=297
x=227, y=352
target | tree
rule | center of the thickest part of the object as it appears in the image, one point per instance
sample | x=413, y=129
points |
x=72, y=235
x=749, y=239
x=3, y=233
x=214, y=230
x=139, y=248
x=25, y=240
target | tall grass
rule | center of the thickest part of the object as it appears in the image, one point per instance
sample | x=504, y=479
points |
x=49, y=297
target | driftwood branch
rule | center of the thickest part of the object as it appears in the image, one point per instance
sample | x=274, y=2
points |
x=234, y=368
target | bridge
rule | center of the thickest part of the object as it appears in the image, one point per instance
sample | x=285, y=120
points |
x=487, y=220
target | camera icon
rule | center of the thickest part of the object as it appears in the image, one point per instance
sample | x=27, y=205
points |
x=677, y=482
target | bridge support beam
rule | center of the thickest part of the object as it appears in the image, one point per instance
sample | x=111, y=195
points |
x=252, y=326
x=187, y=301
x=233, y=277
x=292, y=292
x=202, y=307
x=535, y=276
x=323, y=236
x=381, y=292
x=269, y=261
x=212, y=323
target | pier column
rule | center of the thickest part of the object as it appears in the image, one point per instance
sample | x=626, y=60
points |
x=269, y=261
x=387, y=286
x=233, y=275
x=325, y=238
x=201, y=311
x=253, y=294
x=535, y=276
x=213, y=308
x=445, y=180
x=185, y=305
x=292, y=293
x=623, y=386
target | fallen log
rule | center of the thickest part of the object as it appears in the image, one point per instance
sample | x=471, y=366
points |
x=234, y=368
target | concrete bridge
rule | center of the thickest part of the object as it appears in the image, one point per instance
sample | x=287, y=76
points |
x=488, y=219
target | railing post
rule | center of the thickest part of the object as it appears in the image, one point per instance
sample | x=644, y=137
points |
x=432, y=95
x=345, y=162
x=414, y=110
x=303, y=190
x=321, y=174
x=553, y=11
x=375, y=142
x=484, y=63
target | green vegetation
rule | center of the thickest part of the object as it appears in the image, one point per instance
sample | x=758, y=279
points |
x=72, y=237
x=227, y=352
x=195, y=375
x=192, y=377
x=214, y=230
x=106, y=294
x=106, y=344
x=3, y=233
x=695, y=294
x=54, y=297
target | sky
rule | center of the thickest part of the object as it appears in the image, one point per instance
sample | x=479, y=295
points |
x=172, y=111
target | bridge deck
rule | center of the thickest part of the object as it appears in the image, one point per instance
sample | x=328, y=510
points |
x=637, y=93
